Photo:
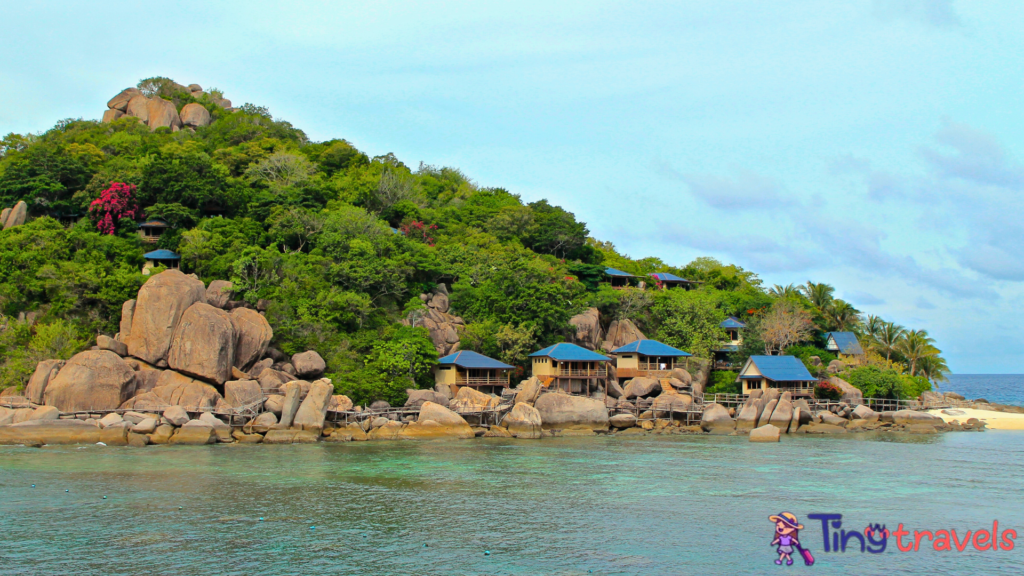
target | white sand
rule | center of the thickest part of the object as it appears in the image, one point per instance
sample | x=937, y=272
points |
x=994, y=420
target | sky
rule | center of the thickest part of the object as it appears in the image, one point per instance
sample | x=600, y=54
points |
x=871, y=144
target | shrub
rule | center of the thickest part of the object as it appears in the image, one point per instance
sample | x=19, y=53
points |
x=827, y=391
x=723, y=382
x=804, y=353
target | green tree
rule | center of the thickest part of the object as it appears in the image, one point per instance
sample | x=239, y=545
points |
x=688, y=321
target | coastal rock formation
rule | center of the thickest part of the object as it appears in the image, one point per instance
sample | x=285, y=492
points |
x=161, y=303
x=252, y=335
x=203, y=343
x=309, y=364
x=39, y=432
x=341, y=403
x=640, y=387
x=622, y=421
x=238, y=393
x=850, y=393
x=527, y=391
x=313, y=410
x=782, y=415
x=219, y=293
x=44, y=373
x=766, y=433
x=91, y=380
x=174, y=389
x=620, y=333
x=434, y=421
x=524, y=421
x=418, y=397
x=671, y=403
x=716, y=420
x=560, y=411
x=588, y=332
x=470, y=400
x=290, y=404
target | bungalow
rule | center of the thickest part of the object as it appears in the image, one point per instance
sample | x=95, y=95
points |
x=468, y=368
x=648, y=358
x=618, y=278
x=666, y=281
x=569, y=366
x=151, y=230
x=844, y=345
x=733, y=327
x=787, y=373
x=160, y=257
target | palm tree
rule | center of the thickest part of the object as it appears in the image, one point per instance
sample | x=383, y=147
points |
x=819, y=294
x=873, y=325
x=841, y=316
x=889, y=337
x=933, y=368
x=788, y=290
x=914, y=346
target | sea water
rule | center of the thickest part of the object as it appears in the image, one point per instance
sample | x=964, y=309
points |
x=595, y=505
x=998, y=388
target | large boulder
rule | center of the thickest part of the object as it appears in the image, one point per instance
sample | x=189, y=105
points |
x=127, y=311
x=120, y=102
x=682, y=376
x=436, y=421
x=524, y=421
x=527, y=391
x=747, y=415
x=194, y=433
x=862, y=412
x=162, y=113
x=45, y=372
x=470, y=400
x=203, y=343
x=252, y=336
x=766, y=414
x=36, y=432
x=836, y=366
x=418, y=397
x=218, y=293
x=111, y=115
x=782, y=415
x=588, y=329
x=176, y=415
x=341, y=403
x=174, y=389
x=262, y=423
x=104, y=342
x=290, y=404
x=272, y=380
x=238, y=393
x=195, y=115
x=766, y=433
x=620, y=333
x=309, y=364
x=17, y=215
x=908, y=417
x=716, y=420
x=162, y=301
x=138, y=107
x=563, y=411
x=670, y=403
x=851, y=394
x=640, y=387
x=91, y=380
x=313, y=410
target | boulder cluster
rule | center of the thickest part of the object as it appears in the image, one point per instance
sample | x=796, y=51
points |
x=156, y=112
x=444, y=328
x=590, y=335
x=14, y=216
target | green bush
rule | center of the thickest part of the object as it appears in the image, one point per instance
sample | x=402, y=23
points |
x=804, y=353
x=723, y=382
x=877, y=382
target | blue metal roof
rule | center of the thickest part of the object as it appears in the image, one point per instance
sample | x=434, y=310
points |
x=566, y=352
x=846, y=342
x=613, y=272
x=729, y=348
x=155, y=223
x=732, y=322
x=470, y=359
x=781, y=369
x=666, y=277
x=161, y=255
x=650, y=348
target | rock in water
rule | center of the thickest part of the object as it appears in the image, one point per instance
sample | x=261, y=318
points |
x=862, y=412
x=203, y=343
x=747, y=416
x=45, y=372
x=195, y=115
x=120, y=102
x=176, y=415
x=564, y=411
x=766, y=414
x=524, y=421
x=309, y=364
x=766, y=433
x=434, y=421
x=290, y=404
x=252, y=336
x=218, y=293
x=162, y=301
x=716, y=420
x=782, y=415
x=91, y=380
x=311, y=414
x=162, y=113
x=622, y=421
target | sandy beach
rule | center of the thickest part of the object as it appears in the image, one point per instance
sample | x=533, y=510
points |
x=995, y=420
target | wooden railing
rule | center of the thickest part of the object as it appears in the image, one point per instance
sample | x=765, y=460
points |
x=481, y=381
x=567, y=372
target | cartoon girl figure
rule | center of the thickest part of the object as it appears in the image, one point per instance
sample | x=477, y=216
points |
x=786, y=536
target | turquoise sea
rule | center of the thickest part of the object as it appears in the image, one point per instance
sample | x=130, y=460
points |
x=599, y=505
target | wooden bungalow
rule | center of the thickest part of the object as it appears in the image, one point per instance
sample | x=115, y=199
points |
x=468, y=368
x=648, y=358
x=569, y=367
x=734, y=339
x=158, y=258
x=844, y=345
x=151, y=230
x=666, y=280
x=618, y=278
x=787, y=373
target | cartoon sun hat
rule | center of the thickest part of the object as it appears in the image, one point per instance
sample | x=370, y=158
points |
x=787, y=519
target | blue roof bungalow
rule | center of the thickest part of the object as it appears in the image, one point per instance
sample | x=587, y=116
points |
x=468, y=368
x=151, y=230
x=666, y=280
x=734, y=339
x=618, y=278
x=844, y=345
x=569, y=367
x=787, y=373
x=160, y=258
x=647, y=358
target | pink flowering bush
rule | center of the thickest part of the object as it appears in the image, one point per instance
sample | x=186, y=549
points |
x=417, y=230
x=114, y=203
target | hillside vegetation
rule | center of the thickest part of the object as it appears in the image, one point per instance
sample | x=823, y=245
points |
x=342, y=245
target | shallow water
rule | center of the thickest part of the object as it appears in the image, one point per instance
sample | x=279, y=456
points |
x=648, y=505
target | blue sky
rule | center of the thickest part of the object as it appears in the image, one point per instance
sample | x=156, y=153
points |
x=874, y=144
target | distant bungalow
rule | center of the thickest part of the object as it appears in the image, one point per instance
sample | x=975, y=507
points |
x=618, y=278
x=151, y=230
x=844, y=345
x=667, y=281
x=732, y=327
x=569, y=366
x=468, y=368
x=787, y=373
x=158, y=258
x=647, y=358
